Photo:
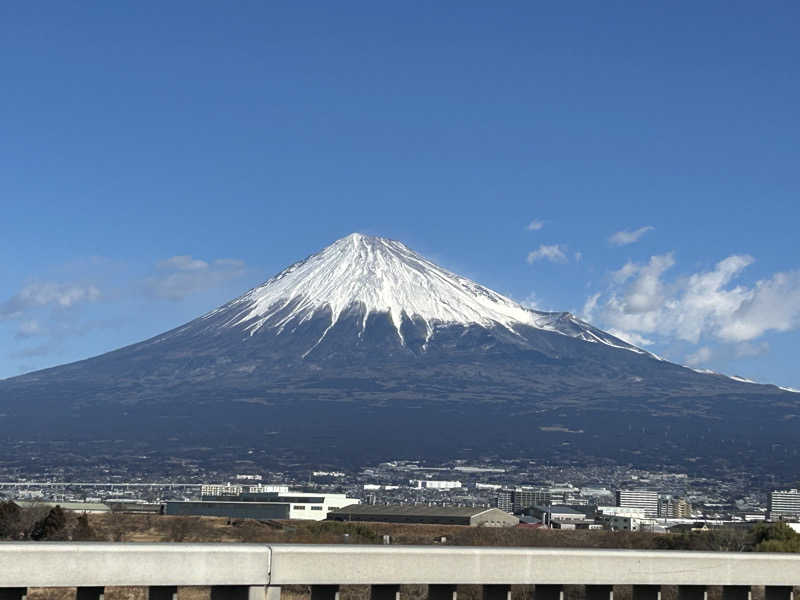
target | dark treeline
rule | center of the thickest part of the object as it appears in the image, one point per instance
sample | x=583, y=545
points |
x=39, y=523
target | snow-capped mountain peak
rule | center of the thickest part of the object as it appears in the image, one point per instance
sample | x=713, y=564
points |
x=371, y=275
x=380, y=275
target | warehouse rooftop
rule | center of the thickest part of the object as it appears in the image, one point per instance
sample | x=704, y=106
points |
x=412, y=510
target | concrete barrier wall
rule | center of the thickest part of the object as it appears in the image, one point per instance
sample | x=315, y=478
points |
x=54, y=564
x=312, y=564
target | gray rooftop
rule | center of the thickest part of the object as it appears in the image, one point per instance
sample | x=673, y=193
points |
x=411, y=510
x=74, y=506
x=561, y=509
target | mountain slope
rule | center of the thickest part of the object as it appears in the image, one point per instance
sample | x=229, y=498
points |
x=367, y=350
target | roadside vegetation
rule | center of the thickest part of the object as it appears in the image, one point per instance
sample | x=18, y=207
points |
x=41, y=523
x=53, y=524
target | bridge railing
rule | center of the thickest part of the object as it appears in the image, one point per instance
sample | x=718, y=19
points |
x=257, y=571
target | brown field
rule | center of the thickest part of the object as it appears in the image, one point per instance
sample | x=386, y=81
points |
x=157, y=528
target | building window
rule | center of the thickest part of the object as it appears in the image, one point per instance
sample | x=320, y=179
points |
x=299, y=507
x=316, y=508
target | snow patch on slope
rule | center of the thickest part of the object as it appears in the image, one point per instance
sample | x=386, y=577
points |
x=702, y=371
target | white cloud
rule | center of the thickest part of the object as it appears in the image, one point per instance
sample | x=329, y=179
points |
x=700, y=357
x=773, y=304
x=531, y=302
x=535, y=225
x=48, y=311
x=646, y=292
x=707, y=304
x=181, y=276
x=625, y=237
x=590, y=306
x=29, y=328
x=554, y=253
x=41, y=294
x=625, y=272
x=631, y=337
x=748, y=349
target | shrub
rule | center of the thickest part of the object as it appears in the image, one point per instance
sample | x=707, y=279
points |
x=51, y=527
x=778, y=537
x=9, y=520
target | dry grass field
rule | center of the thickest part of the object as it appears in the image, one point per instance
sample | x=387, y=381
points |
x=159, y=528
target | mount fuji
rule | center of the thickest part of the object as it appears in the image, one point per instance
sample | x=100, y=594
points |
x=368, y=351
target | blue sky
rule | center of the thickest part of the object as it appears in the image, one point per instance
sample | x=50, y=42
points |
x=157, y=160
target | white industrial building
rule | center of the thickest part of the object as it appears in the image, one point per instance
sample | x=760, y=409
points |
x=783, y=504
x=433, y=484
x=280, y=503
x=621, y=522
x=313, y=506
x=221, y=489
x=237, y=489
x=621, y=511
x=644, y=499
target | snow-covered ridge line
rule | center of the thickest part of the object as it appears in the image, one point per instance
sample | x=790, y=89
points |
x=379, y=275
x=739, y=378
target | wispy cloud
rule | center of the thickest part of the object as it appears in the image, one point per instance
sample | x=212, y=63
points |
x=180, y=276
x=700, y=357
x=531, y=301
x=45, y=318
x=42, y=294
x=183, y=263
x=29, y=328
x=748, y=349
x=535, y=225
x=625, y=237
x=556, y=253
